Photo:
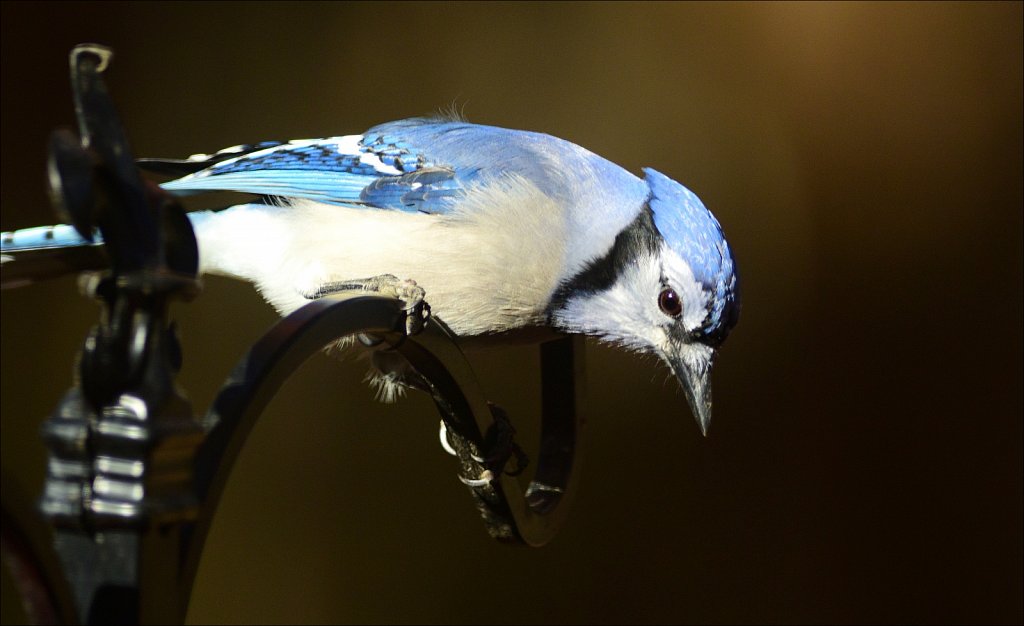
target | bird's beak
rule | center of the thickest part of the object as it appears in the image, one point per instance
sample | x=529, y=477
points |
x=691, y=364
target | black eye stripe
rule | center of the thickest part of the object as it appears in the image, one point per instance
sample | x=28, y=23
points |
x=638, y=239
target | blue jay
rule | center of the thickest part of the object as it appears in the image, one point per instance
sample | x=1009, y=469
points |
x=499, y=229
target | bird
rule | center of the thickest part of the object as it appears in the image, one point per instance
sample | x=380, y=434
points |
x=497, y=229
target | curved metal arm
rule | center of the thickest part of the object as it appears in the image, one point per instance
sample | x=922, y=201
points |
x=532, y=515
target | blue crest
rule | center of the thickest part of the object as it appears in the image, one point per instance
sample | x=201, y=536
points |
x=690, y=229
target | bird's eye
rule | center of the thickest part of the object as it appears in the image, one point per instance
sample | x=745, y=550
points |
x=669, y=302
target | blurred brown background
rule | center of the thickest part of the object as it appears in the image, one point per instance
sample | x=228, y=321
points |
x=865, y=160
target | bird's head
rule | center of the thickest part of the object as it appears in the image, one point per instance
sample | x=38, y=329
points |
x=667, y=287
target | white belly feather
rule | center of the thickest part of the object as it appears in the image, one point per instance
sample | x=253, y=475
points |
x=490, y=265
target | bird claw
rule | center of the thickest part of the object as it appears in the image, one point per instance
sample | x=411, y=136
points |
x=443, y=436
x=495, y=451
x=417, y=311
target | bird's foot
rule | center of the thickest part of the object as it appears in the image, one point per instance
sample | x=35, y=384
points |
x=499, y=445
x=494, y=453
x=412, y=296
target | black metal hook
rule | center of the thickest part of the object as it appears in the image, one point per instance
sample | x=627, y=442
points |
x=531, y=515
x=94, y=182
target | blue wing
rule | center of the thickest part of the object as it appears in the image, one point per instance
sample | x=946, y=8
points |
x=417, y=164
x=371, y=170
